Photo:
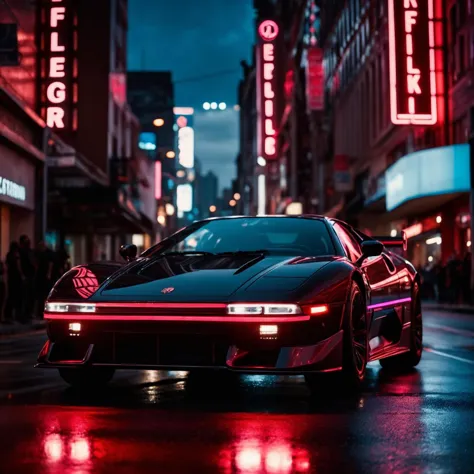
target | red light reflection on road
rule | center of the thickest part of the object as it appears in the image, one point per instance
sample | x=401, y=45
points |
x=53, y=447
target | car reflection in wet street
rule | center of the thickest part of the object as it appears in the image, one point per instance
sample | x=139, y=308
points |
x=162, y=422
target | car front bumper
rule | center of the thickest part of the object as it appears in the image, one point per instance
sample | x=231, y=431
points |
x=300, y=346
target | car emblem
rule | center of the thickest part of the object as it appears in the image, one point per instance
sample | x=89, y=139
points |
x=167, y=290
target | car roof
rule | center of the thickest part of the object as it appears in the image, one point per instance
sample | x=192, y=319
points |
x=297, y=216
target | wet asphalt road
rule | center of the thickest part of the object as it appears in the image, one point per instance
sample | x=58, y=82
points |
x=422, y=422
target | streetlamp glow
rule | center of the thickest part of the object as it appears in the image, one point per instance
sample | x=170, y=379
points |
x=261, y=161
x=213, y=105
x=206, y=106
x=222, y=106
x=159, y=122
x=237, y=196
x=212, y=208
x=232, y=202
x=170, y=154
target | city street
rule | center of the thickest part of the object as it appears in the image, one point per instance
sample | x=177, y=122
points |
x=420, y=422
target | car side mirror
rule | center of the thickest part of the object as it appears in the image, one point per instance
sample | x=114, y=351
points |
x=371, y=248
x=128, y=252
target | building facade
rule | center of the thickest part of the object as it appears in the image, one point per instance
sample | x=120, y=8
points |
x=93, y=171
x=22, y=131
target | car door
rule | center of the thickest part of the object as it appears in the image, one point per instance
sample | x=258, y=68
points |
x=381, y=276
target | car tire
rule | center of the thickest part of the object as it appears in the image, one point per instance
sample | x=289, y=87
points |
x=408, y=360
x=85, y=378
x=355, y=350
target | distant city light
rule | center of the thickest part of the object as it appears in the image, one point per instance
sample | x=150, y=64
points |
x=206, y=106
x=147, y=146
x=393, y=233
x=161, y=219
x=186, y=147
x=158, y=179
x=170, y=154
x=439, y=219
x=184, y=197
x=262, y=194
x=468, y=243
x=175, y=127
x=182, y=121
x=181, y=174
x=183, y=110
x=232, y=202
x=261, y=161
x=169, y=209
x=159, y=122
x=237, y=196
x=222, y=106
x=294, y=209
x=213, y=105
x=212, y=208
x=236, y=108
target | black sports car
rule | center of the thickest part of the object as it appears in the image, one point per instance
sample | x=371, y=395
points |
x=272, y=294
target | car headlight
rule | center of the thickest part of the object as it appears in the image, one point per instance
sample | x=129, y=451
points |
x=267, y=308
x=69, y=308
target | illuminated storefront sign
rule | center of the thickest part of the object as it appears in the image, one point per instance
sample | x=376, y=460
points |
x=315, y=79
x=58, y=93
x=186, y=147
x=266, y=89
x=12, y=190
x=433, y=172
x=184, y=198
x=412, y=62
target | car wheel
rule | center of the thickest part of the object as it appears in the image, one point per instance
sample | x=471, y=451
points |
x=355, y=349
x=410, y=359
x=91, y=377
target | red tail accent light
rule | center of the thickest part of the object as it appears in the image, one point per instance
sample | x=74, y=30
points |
x=316, y=310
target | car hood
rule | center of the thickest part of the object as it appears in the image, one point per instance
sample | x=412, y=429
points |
x=207, y=278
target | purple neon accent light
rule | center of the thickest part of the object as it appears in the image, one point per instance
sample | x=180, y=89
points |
x=389, y=303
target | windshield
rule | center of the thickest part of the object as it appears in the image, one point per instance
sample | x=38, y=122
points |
x=288, y=236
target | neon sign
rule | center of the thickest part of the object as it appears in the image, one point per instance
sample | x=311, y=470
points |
x=266, y=87
x=186, y=147
x=412, y=62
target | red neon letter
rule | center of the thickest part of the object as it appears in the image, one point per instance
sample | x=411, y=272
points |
x=269, y=108
x=54, y=117
x=410, y=4
x=268, y=90
x=410, y=20
x=56, y=92
x=268, y=51
x=56, y=67
x=270, y=146
x=268, y=71
x=55, y=46
x=57, y=13
x=269, y=130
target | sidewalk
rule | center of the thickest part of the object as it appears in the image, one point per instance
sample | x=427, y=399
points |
x=454, y=308
x=17, y=328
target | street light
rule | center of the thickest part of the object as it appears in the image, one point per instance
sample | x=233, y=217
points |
x=170, y=154
x=212, y=208
x=159, y=122
x=222, y=106
x=206, y=106
x=213, y=105
x=232, y=202
x=180, y=173
x=237, y=196
x=261, y=161
x=169, y=209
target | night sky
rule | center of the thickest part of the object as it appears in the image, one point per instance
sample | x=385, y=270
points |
x=195, y=39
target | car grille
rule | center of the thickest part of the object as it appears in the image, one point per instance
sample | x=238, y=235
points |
x=164, y=350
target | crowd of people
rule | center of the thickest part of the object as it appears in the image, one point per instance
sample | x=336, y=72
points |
x=448, y=283
x=26, y=277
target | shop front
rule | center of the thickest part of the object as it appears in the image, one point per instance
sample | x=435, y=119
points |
x=21, y=173
x=427, y=197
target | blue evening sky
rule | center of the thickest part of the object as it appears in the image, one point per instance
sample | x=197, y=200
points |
x=196, y=39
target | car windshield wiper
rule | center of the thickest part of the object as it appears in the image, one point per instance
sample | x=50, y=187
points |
x=186, y=252
x=243, y=252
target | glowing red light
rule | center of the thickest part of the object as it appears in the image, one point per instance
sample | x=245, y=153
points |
x=182, y=121
x=268, y=30
x=80, y=450
x=85, y=282
x=56, y=94
x=412, y=63
x=53, y=447
x=248, y=459
x=278, y=460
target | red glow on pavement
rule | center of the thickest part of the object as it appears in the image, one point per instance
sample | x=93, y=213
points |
x=53, y=447
x=80, y=450
x=248, y=459
x=278, y=459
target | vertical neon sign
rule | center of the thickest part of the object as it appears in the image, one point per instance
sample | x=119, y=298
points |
x=266, y=87
x=412, y=62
